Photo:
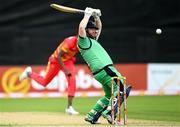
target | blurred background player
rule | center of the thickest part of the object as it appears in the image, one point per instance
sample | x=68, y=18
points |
x=63, y=59
x=98, y=61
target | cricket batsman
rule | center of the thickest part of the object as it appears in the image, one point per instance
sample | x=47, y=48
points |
x=98, y=61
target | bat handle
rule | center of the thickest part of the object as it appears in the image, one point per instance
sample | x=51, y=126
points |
x=81, y=12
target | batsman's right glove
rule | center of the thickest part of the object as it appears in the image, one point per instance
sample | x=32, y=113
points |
x=89, y=11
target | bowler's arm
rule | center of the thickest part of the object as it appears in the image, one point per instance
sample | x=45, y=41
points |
x=66, y=71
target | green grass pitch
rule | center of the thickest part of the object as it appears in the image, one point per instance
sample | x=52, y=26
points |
x=161, y=108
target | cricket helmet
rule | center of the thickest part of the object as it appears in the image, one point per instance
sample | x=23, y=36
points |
x=91, y=23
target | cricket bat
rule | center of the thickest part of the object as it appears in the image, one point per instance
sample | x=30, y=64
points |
x=66, y=9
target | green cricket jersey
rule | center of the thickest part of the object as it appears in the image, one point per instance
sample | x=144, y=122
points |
x=93, y=53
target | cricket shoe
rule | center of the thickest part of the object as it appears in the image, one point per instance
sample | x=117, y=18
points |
x=25, y=73
x=90, y=119
x=71, y=111
x=107, y=117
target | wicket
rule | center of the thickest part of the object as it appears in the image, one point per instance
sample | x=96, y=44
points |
x=118, y=79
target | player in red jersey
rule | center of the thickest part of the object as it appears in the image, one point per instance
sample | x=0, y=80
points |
x=63, y=59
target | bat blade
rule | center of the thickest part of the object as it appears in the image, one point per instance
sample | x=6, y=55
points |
x=66, y=9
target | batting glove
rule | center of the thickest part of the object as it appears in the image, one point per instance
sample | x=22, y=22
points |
x=98, y=12
x=88, y=11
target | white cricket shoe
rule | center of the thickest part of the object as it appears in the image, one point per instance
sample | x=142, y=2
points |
x=71, y=111
x=25, y=73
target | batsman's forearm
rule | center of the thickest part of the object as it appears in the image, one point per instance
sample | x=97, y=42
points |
x=82, y=25
x=98, y=22
x=99, y=25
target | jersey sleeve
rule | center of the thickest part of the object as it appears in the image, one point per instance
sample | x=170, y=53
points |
x=83, y=43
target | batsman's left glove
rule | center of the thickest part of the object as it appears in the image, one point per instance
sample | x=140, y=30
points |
x=98, y=12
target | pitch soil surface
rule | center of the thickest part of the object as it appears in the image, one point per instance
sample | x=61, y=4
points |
x=46, y=119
